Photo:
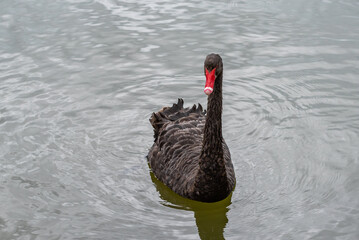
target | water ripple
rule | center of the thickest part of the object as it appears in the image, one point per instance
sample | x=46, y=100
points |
x=80, y=79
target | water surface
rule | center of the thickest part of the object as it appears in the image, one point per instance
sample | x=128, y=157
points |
x=80, y=78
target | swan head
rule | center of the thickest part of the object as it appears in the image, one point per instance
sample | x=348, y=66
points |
x=213, y=67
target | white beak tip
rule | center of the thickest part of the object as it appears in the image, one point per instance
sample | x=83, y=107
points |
x=208, y=90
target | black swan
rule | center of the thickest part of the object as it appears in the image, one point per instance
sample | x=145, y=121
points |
x=189, y=154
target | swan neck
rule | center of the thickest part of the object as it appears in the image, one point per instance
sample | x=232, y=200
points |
x=212, y=170
x=212, y=139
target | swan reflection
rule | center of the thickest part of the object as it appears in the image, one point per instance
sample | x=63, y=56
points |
x=211, y=218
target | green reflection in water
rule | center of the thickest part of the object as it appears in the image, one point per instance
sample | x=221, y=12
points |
x=211, y=218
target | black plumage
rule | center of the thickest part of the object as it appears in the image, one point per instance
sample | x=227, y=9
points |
x=189, y=154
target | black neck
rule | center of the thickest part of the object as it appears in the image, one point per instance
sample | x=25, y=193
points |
x=212, y=139
x=212, y=171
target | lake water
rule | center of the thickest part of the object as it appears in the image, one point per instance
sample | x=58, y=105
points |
x=79, y=80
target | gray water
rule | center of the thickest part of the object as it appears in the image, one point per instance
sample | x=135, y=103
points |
x=79, y=80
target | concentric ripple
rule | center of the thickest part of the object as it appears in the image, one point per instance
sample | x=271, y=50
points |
x=79, y=80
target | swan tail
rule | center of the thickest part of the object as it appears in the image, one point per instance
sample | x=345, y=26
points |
x=174, y=113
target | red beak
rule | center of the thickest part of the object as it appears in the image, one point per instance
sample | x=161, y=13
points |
x=210, y=77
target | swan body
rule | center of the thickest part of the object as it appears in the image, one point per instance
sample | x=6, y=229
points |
x=189, y=154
